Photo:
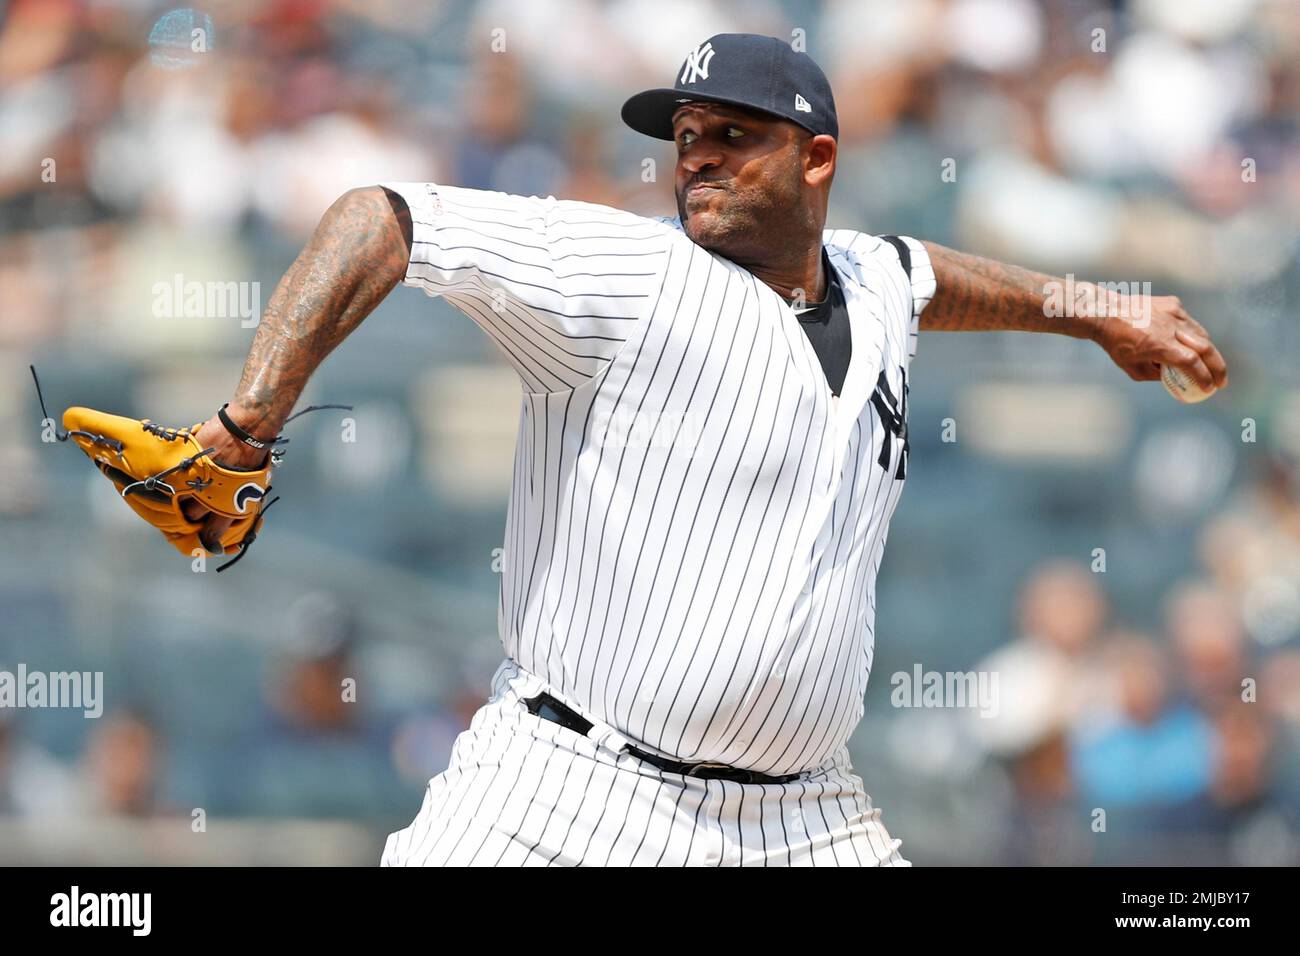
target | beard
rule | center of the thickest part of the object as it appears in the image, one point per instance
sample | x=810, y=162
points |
x=744, y=222
x=718, y=219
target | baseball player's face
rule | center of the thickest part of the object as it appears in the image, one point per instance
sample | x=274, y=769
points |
x=741, y=180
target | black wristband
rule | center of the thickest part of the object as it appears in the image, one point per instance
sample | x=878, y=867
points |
x=244, y=436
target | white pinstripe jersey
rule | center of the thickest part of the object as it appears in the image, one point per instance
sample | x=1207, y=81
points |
x=695, y=527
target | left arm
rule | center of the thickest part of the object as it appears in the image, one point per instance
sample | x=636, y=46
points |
x=1139, y=333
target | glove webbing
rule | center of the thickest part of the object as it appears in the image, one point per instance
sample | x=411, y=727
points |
x=59, y=435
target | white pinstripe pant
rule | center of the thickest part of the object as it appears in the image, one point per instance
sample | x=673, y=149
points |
x=523, y=791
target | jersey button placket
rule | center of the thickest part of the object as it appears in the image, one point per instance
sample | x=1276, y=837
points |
x=715, y=846
x=720, y=849
x=729, y=850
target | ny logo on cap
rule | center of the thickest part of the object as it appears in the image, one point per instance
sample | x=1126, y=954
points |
x=697, y=64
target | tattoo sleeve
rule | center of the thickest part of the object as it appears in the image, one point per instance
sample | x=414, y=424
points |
x=356, y=256
x=977, y=295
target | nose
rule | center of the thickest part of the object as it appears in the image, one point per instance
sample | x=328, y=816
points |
x=700, y=156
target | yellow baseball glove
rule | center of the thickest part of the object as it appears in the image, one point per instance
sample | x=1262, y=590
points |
x=156, y=469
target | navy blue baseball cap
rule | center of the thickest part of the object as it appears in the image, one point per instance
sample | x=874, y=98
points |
x=741, y=69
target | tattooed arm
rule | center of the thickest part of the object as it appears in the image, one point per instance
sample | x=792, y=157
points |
x=1139, y=333
x=356, y=256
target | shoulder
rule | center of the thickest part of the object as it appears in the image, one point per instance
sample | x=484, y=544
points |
x=860, y=253
x=442, y=204
x=555, y=212
x=901, y=258
x=574, y=212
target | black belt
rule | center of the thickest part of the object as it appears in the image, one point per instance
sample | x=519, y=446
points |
x=548, y=708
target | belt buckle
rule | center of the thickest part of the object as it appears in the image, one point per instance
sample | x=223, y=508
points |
x=692, y=768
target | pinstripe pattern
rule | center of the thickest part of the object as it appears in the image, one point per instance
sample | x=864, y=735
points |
x=709, y=593
x=522, y=791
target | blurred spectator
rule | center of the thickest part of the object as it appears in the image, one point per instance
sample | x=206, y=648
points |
x=1242, y=772
x=1149, y=753
x=312, y=691
x=319, y=749
x=121, y=767
x=497, y=149
x=1279, y=690
x=32, y=783
x=1209, y=645
x=1253, y=551
x=1045, y=675
x=1045, y=680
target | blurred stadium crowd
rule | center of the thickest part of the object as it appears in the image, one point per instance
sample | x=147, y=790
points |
x=1129, y=568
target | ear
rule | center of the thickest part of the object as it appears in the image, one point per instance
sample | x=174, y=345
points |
x=819, y=154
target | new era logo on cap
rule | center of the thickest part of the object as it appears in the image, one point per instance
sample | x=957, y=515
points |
x=765, y=74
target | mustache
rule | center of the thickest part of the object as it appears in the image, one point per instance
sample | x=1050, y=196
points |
x=698, y=180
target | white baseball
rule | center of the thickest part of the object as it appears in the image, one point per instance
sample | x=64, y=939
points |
x=1182, y=386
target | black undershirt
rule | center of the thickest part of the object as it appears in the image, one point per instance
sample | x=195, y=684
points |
x=827, y=326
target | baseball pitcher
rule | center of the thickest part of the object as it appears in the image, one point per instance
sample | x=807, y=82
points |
x=712, y=439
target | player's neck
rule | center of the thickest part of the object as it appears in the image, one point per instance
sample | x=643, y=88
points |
x=801, y=277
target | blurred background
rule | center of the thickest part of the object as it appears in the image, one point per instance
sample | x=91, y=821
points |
x=1128, y=567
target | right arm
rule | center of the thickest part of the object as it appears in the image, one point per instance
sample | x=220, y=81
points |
x=357, y=254
x=557, y=285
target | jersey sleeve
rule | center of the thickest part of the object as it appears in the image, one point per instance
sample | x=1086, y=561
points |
x=558, y=285
x=899, y=269
x=919, y=272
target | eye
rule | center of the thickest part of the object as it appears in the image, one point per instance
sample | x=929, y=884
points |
x=734, y=132
x=685, y=139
